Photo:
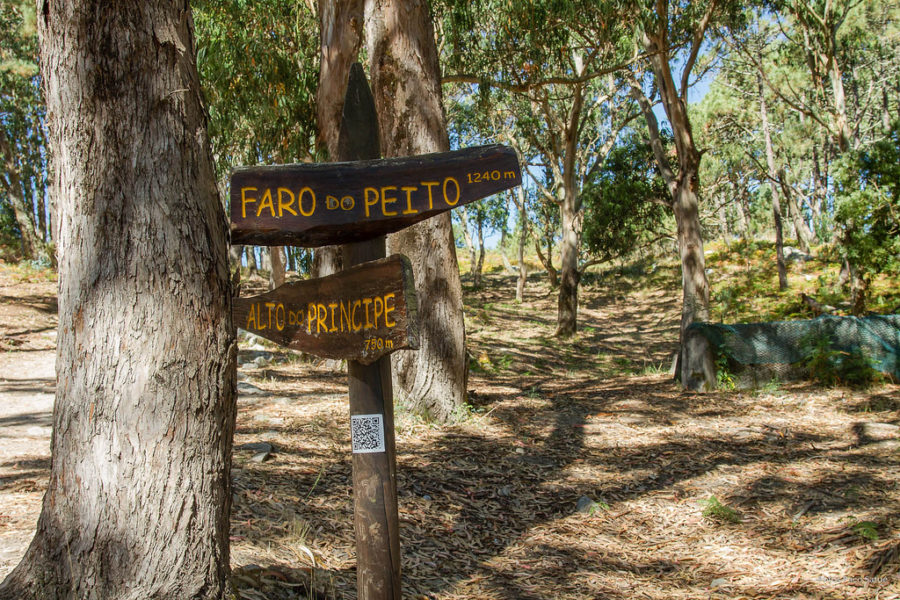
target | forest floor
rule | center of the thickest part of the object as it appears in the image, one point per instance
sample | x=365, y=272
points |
x=578, y=470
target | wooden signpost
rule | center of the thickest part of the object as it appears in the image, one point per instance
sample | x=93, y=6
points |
x=334, y=203
x=359, y=314
x=369, y=310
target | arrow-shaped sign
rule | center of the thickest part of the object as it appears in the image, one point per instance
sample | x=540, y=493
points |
x=361, y=314
x=334, y=203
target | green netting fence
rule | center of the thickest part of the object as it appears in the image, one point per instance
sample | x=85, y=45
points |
x=756, y=353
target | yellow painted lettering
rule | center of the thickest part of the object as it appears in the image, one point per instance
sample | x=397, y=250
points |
x=282, y=206
x=279, y=317
x=429, y=185
x=331, y=202
x=321, y=316
x=409, y=190
x=245, y=199
x=446, y=197
x=345, y=315
x=378, y=309
x=366, y=202
x=385, y=200
x=270, y=306
x=251, y=318
x=266, y=201
x=332, y=306
x=347, y=203
x=310, y=317
x=388, y=310
x=312, y=207
x=353, y=316
x=366, y=303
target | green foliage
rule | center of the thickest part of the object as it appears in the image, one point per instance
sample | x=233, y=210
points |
x=716, y=511
x=831, y=366
x=724, y=377
x=258, y=64
x=868, y=204
x=23, y=155
x=624, y=203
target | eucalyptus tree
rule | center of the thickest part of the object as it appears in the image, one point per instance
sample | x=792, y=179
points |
x=23, y=164
x=258, y=63
x=673, y=35
x=138, y=500
x=406, y=84
x=845, y=93
x=561, y=86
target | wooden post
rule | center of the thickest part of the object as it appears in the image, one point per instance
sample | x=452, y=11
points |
x=376, y=520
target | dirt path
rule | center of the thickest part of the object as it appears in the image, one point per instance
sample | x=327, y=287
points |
x=578, y=471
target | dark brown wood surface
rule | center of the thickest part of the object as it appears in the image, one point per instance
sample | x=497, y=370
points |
x=336, y=203
x=361, y=314
x=375, y=511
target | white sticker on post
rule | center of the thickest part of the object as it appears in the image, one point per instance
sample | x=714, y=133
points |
x=367, y=433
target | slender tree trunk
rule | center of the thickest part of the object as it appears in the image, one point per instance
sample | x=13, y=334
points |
x=31, y=244
x=697, y=370
x=252, y=266
x=804, y=235
x=567, y=302
x=277, y=258
x=139, y=494
x=470, y=245
x=235, y=254
x=546, y=261
x=406, y=84
x=479, y=268
x=520, y=255
x=776, y=200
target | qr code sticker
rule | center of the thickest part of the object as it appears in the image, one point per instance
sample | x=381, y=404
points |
x=367, y=433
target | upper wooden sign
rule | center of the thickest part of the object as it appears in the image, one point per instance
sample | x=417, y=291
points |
x=336, y=203
x=361, y=314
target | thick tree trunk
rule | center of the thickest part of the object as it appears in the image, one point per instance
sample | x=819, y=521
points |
x=567, y=310
x=340, y=30
x=139, y=495
x=776, y=200
x=407, y=86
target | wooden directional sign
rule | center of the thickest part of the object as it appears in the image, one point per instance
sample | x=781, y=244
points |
x=361, y=314
x=334, y=203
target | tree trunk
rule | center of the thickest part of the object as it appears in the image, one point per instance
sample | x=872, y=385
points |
x=804, y=235
x=567, y=304
x=139, y=494
x=235, y=254
x=470, y=245
x=252, y=266
x=776, y=201
x=697, y=371
x=31, y=244
x=277, y=258
x=341, y=29
x=520, y=255
x=407, y=87
x=479, y=267
x=546, y=261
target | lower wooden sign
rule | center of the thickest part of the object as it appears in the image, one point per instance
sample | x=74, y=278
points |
x=359, y=314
